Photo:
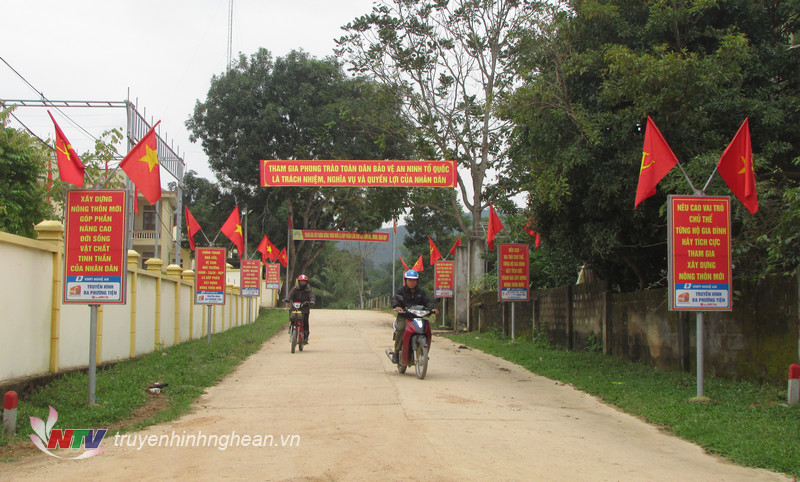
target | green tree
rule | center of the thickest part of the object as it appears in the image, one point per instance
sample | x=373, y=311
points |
x=298, y=107
x=453, y=62
x=593, y=73
x=23, y=176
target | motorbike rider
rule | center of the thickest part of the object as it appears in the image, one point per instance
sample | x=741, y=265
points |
x=302, y=292
x=409, y=294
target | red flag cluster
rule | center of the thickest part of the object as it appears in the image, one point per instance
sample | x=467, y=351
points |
x=267, y=250
x=735, y=166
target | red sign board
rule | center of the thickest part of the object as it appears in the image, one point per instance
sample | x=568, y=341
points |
x=443, y=279
x=513, y=272
x=331, y=173
x=699, y=247
x=250, y=282
x=95, y=256
x=209, y=282
x=273, y=280
x=312, y=235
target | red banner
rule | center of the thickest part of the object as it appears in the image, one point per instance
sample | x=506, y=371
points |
x=443, y=279
x=251, y=277
x=331, y=173
x=312, y=235
x=514, y=272
x=209, y=282
x=95, y=257
x=699, y=248
x=273, y=280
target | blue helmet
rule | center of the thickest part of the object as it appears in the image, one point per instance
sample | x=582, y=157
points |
x=411, y=274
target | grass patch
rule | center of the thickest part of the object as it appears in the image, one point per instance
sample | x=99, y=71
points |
x=747, y=423
x=123, y=403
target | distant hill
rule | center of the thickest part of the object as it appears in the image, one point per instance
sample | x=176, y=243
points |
x=383, y=251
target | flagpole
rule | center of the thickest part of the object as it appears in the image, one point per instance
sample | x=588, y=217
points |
x=288, y=240
x=694, y=190
x=709, y=180
x=394, y=260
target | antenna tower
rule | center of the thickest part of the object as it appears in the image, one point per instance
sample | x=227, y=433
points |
x=230, y=34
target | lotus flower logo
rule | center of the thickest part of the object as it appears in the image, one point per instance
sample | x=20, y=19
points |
x=46, y=438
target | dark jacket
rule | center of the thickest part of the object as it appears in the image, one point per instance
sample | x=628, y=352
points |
x=406, y=298
x=301, y=294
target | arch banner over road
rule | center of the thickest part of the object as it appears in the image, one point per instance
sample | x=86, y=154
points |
x=337, y=173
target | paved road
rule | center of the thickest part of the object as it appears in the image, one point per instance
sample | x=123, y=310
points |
x=339, y=410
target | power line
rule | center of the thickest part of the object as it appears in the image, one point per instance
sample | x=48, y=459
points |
x=47, y=101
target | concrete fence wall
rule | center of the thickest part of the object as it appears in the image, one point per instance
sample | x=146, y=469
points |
x=757, y=340
x=39, y=335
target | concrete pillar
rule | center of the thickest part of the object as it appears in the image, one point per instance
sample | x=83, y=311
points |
x=174, y=271
x=133, y=267
x=53, y=232
x=188, y=275
x=154, y=265
x=461, y=295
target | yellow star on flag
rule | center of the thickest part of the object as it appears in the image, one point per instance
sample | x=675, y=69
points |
x=238, y=229
x=744, y=166
x=151, y=158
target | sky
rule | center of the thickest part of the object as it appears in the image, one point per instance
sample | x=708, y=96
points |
x=159, y=54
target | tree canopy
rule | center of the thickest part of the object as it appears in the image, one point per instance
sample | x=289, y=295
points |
x=594, y=71
x=453, y=62
x=23, y=169
x=298, y=107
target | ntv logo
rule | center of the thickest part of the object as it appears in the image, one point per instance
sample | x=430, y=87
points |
x=47, y=438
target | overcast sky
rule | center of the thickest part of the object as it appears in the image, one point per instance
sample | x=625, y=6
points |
x=161, y=53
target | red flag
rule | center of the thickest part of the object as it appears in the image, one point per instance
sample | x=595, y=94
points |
x=405, y=266
x=141, y=165
x=736, y=168
x=457, y=243
x=494, y=227
x=267, y=249
x=657, y=160
x=233, y=230
x=70, y=167
x=528, y=229
x=394, y=224
x=290, y=223
x=419, y=265
x=192, y=227
x=284, y=260
x=435, y=254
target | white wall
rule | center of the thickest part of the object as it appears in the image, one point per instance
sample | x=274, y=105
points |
x=28, y=313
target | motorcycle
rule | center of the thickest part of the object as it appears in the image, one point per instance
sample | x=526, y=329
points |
x=296, y=332
x=416, y=340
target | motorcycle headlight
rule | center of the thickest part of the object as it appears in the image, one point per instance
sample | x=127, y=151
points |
x=418, y=313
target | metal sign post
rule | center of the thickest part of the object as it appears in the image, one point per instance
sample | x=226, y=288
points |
x=92, y=352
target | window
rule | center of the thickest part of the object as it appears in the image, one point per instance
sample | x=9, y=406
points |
x=149, y=220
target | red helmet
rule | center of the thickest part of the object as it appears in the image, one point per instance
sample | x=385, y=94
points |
x=302, y=277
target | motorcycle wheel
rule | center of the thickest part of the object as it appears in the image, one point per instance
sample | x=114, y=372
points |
x=421, y=361
x=294, y=339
